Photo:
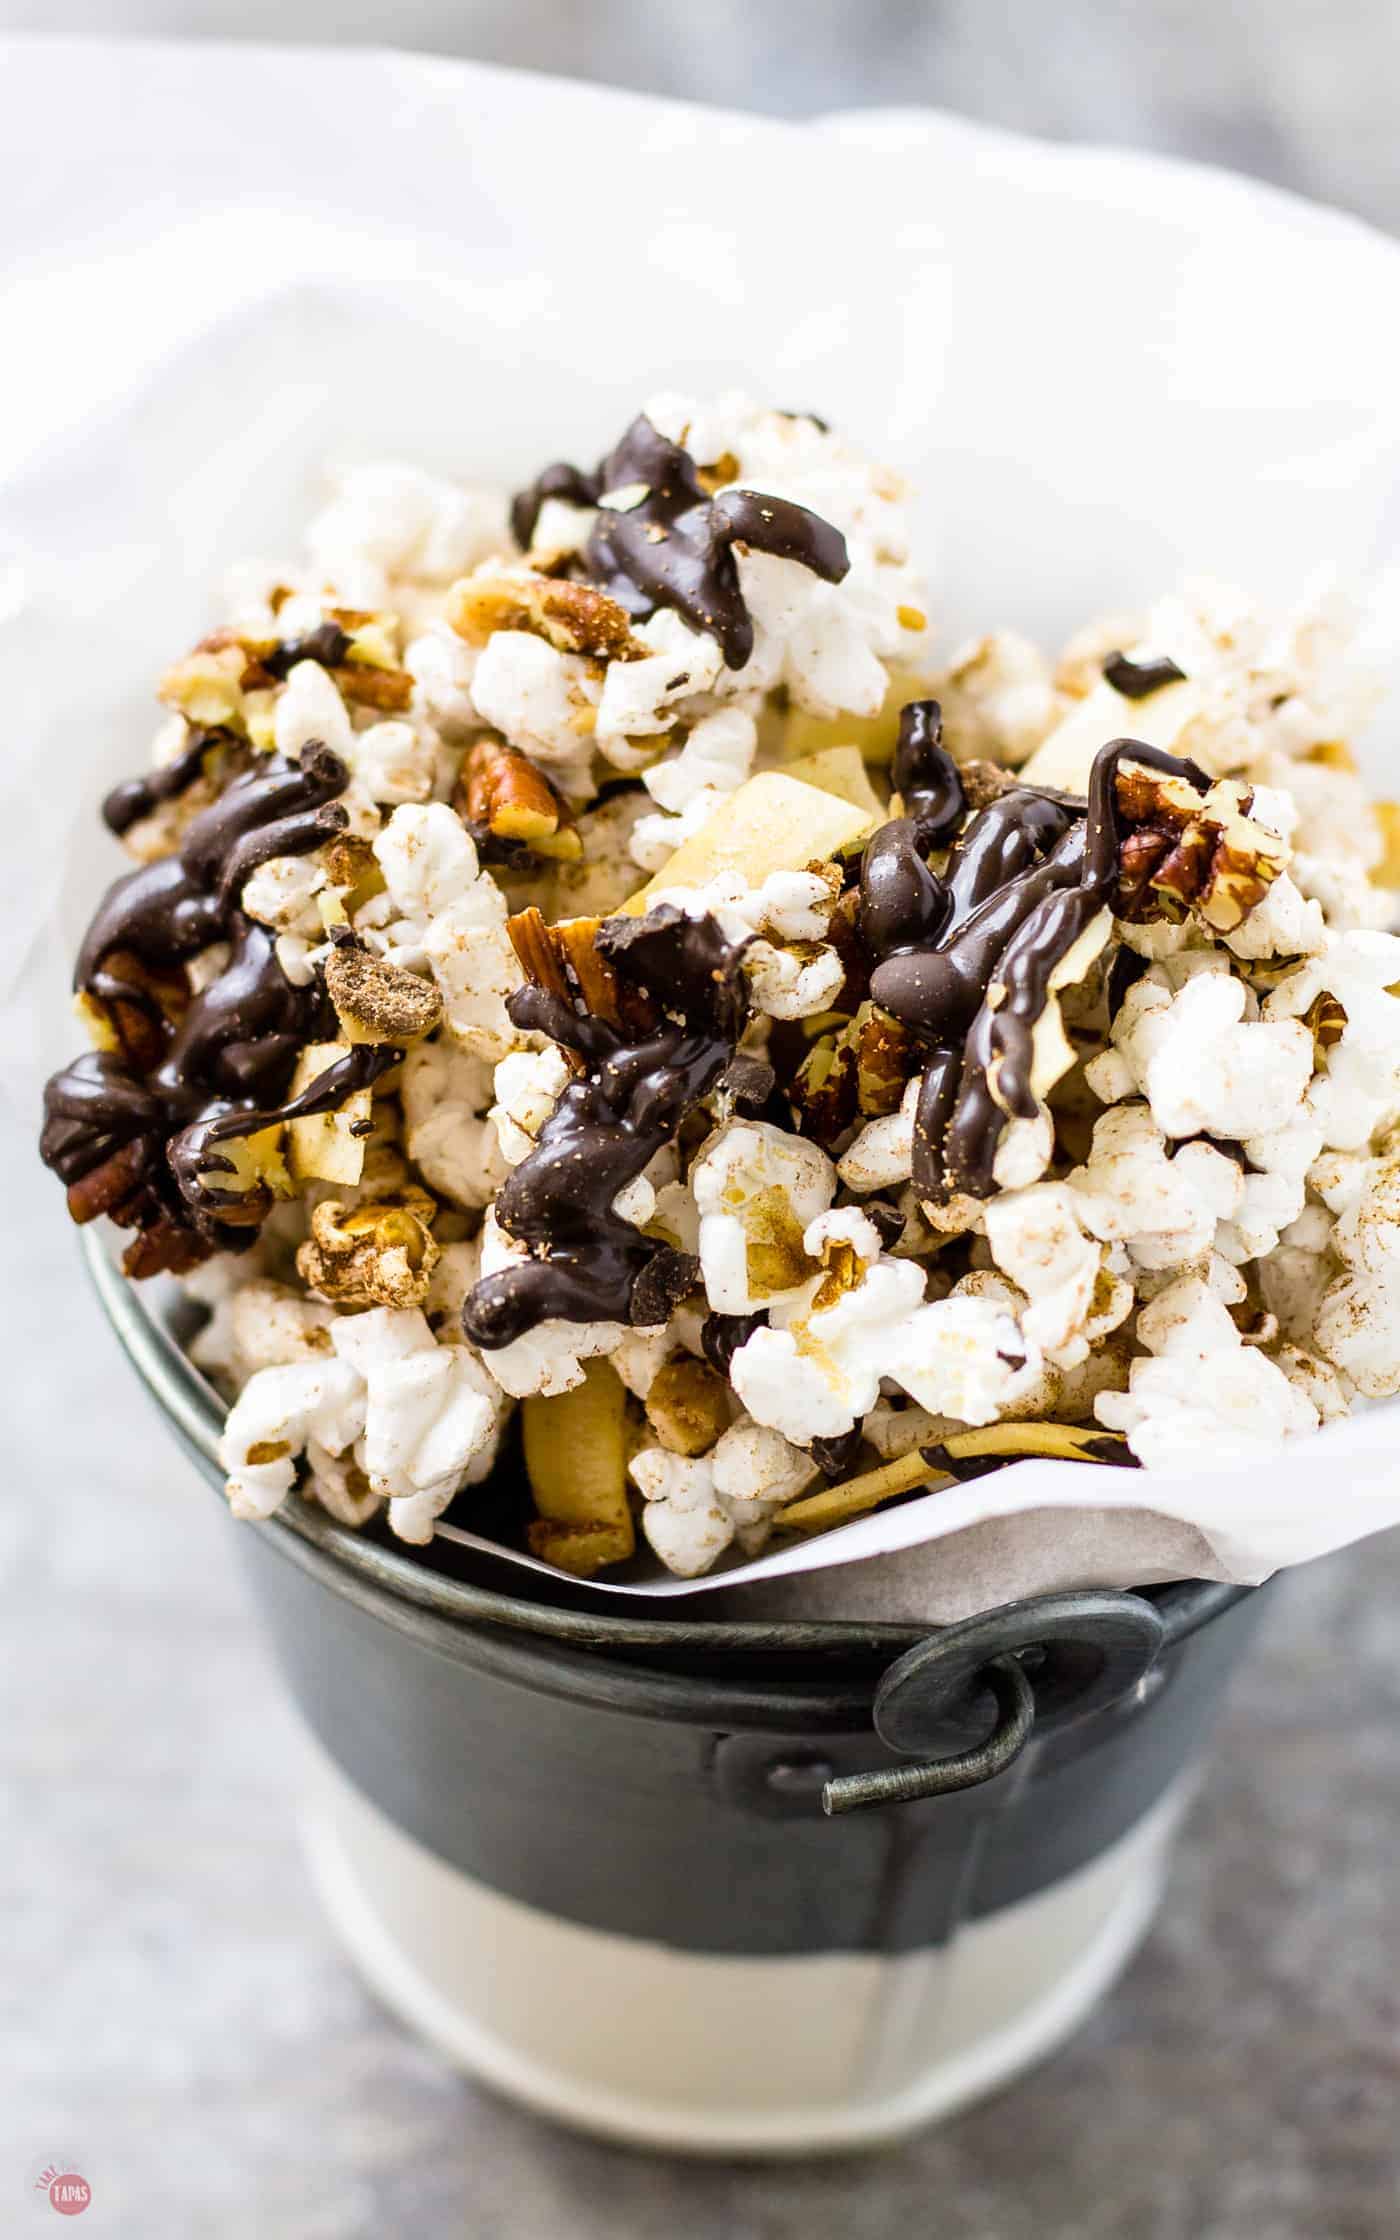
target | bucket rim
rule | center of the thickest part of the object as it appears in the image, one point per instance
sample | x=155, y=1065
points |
x=564, y=1651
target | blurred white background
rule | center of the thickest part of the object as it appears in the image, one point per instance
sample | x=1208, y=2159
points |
x=1301, y=92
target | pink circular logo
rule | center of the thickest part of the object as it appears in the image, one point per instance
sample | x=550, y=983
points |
x=69, y=2194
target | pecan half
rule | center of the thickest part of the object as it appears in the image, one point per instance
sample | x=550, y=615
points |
x=572, y=617
x=506, y=792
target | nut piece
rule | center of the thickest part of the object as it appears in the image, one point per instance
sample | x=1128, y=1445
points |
x=389, y=690
x=164, y=1249
x=576, y=1460
x=565, y=959
x=572, y=617
x=515, y=801
x=379, y=1002
x=1192, y=850
x=376, y=1255
x=206, y=686
x=687, y=1405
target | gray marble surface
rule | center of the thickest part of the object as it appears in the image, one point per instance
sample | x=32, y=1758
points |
x=176, y=2020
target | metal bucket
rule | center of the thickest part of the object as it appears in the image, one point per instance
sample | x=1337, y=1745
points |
x=724, y=1887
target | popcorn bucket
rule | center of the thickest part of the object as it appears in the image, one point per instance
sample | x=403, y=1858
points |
x=723, y=1887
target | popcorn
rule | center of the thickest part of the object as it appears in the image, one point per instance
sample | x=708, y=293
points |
x=1074, y=1295
x=542, y=700
x=456, y=915
x=387, y=521
x=271, y=1421
x=310, y=707
x=1181, y=1220
x=255, y=1324
x=1357, y=1322
x=882, y=1155
x=639, y=697
x=1203, y=1063
x=697, y=1506
x=757, y=1189
x=432, y=1414
x=1163, y=1207
x=1202, y=1392
x=450, y=1133
x=716, y=757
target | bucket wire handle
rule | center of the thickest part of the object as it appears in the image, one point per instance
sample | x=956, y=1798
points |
x=1015, y=1699
x=1045, y=1662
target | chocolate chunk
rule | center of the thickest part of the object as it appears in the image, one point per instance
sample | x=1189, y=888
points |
x=1137, y=679
x=748, y=1083
x=721, y=1336
x=667, y=1279
x=833, y=1457
x=327, y=644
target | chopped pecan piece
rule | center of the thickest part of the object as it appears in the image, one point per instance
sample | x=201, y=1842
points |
x=166, y=1248
x=105, y=1188
x=390, y=690
x=514, y=800
x=1191, y=850
x=565, y=959
x=377, y=1255
x=886, y=1057
x=572, y=617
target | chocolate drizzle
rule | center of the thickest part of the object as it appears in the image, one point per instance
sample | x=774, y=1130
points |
x=968, y=970
x=1137, y=680
x=587, y=1263
x=675, y=546
x=193, y=1073
x=136, y=798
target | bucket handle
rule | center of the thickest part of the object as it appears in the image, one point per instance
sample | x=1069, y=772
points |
x=1045, y=1663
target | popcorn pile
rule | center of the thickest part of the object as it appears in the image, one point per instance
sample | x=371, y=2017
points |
x=598, y=1002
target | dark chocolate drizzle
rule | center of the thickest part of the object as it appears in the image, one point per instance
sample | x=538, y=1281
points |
x=1027, y=875
x=136, y=798
x=925, y=776
x=224, y=1062
x=1136, y=680
x=587, y=1264
x=675, y=547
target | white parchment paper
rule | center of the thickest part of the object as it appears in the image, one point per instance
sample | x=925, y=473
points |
x=226, y=267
